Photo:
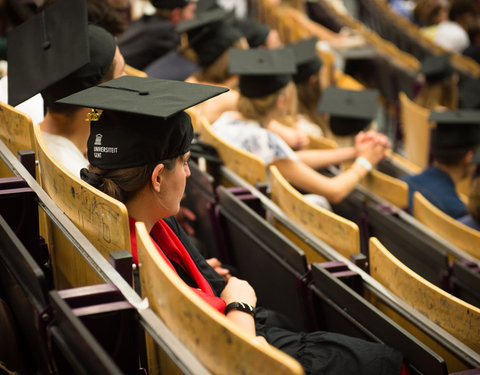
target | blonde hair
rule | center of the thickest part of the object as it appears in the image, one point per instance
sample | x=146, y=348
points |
x=217, y=71
x=439, y=94
x=309, y=95
x=259, y=108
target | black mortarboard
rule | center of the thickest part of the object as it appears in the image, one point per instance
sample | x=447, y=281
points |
x=455, y=129
x=206, y=5
x=435, y=68
x=210, y=34
x=51, y=46
x=142, y=119
x=307, y=59
x=262, y=71
x=173, y=65
x=256, y=33
x=350, y=111
x=470, y=94
x=171, y=4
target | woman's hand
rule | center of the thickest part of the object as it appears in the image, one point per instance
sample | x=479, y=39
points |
x=217, y=266
x=238, y=290
x=371, y=145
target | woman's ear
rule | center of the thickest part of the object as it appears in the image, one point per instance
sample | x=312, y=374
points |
x=157, y=177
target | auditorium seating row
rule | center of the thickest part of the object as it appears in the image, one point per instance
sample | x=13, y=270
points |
x=73, y=262
x=247, y=233
x=103, y=299
x=410, y=242
x=377, y=15
x=387, y=68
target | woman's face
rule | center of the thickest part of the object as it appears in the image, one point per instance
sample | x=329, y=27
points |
x=173, y=186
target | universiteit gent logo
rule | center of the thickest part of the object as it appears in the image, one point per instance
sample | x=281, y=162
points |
x=98, y=140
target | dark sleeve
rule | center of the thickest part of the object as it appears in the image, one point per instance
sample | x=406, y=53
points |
x=146, y=40
x=215, y=280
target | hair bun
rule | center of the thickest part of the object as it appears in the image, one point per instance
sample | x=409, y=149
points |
x=91, y=178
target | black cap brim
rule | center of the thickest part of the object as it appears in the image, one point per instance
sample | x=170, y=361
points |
x=145, y=96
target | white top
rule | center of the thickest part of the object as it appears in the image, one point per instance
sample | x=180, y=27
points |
x=65, y=152
x=250, y=136
x=451, y=36
x=32, y=107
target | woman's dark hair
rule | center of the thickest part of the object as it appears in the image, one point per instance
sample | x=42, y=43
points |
x=123, y=184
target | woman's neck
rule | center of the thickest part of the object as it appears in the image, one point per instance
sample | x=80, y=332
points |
x=142, y=207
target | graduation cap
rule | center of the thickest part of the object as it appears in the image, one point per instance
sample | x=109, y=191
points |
x=171, y=4
x=455, y=129
x=173, y=65
x=56, y=50
x=350, y=111
x=210, y=34
x=206, y=5
x=307, y=59
x=435, y=68
x=143, y=119
x=470, y=94
x=262, y=71
x=256, y=33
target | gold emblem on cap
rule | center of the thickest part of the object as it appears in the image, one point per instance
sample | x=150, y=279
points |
x=93, y=115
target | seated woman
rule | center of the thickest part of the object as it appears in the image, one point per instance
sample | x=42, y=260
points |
x=145, y=166
x=209, y=39
x=440, y=89
x=309, y=86
x=265, y=93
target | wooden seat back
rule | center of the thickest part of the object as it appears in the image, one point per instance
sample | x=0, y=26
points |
x=321, y=143
x=102, y=219
x=220, y=345
x=341, y=234
x=457, y=317
x=16, y=131
x=416, y=131
x=243, y=163
x=458, y=234
x=264, y=257
x=386, y=187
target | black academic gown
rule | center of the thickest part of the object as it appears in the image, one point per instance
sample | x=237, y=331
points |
x=318, y=352
x=147, y=39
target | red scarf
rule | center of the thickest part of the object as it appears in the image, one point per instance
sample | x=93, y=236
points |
x=169, y=247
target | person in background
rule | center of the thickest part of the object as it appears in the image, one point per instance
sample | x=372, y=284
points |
x=349, y=111
x=451, y=34
x=403, y=8
x=454, y=141
x=55, y=73
x=266, y=90
x=433, y=15
x=440, y=88
x=473, y=51
x=153, y=36
x=209, y=40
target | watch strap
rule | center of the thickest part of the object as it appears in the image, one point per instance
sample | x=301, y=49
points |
x=240, y=306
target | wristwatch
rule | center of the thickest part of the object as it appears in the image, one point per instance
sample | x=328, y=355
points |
x=241, y=306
